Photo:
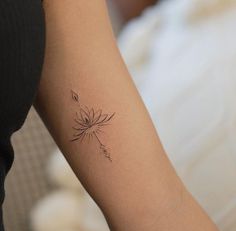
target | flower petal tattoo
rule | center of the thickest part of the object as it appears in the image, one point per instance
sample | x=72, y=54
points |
x=89, y=123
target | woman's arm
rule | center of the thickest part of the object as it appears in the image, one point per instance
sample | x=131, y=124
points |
x=92, y=109
x=132, y=8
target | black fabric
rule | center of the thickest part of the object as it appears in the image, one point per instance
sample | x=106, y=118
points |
x=22, y=46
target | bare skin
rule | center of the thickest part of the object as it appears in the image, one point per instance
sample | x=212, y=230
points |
x=86, y=88
x=132, y=8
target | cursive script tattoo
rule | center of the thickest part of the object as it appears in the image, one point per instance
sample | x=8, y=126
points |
x=89, y=123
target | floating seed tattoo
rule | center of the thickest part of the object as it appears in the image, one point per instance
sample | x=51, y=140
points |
x=89, y=123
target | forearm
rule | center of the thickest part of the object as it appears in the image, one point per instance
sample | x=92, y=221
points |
x=123, y=167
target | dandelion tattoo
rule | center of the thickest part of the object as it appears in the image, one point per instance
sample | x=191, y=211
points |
x=89, y=123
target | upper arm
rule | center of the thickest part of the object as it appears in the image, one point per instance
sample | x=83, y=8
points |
x=132, y=8
x=91, y=107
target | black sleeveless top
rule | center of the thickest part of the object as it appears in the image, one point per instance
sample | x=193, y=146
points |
x=22, y=44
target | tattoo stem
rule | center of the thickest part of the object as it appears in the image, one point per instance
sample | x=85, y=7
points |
x=103, y=148
x=98, y=139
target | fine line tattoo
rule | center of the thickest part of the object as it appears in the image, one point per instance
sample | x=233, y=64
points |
x=89, y=123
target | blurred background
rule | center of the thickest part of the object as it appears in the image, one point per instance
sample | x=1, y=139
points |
x=182, y=57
